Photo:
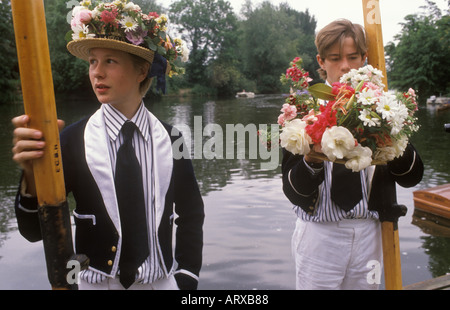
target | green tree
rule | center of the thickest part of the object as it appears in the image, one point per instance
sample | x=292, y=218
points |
x=273, y=36
x=149, y=6
x=421, y=58
x=9, y=71
x=204, y=24
x=69, y=73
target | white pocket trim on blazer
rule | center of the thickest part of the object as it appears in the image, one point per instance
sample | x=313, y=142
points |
x=85, y=217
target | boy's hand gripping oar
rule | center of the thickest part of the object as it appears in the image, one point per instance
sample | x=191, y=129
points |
x=390, y=237
x=39, y=103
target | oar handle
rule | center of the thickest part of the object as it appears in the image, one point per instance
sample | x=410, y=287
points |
x=374, y=34
x=376, y=58
x=38, y=96
x=39, y=103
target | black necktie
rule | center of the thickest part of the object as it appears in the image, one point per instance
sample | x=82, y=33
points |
x=346, y=190
x=130, y=197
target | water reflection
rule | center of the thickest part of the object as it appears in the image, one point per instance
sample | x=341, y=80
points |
x=216, y=173
x=248, y=222
x=436, y=240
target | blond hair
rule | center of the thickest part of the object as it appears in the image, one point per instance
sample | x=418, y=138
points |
x=144, y=86
x=337, y=32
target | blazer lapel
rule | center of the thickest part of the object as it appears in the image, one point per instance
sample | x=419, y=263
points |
x=163, y=164
x=99, y=163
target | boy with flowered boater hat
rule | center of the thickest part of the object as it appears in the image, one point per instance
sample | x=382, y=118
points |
x=124, y=218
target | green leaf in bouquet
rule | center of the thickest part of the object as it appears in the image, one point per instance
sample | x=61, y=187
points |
x=321, y=91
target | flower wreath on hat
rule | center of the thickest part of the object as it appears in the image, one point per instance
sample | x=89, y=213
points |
x=122, y=25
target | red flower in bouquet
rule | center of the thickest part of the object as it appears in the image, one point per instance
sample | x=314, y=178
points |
x=325, y=119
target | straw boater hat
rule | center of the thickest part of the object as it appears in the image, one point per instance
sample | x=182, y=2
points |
x=80, y=48
x=121, y=25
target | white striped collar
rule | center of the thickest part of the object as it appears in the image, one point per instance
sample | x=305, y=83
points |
x=114, y=121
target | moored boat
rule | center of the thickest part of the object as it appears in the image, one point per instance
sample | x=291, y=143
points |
x=439, y=103
x=245, y=94
x=435, y=200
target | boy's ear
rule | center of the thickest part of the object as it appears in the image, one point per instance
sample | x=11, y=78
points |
x=320, y=61
x=364, y=58
x=143, y=70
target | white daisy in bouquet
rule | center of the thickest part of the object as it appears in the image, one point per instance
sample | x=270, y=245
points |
x=353, y=121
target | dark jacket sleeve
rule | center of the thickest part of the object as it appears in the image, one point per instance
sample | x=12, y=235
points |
x=190, y=211
x=407, y=170
x=26, y=209
x=300, y=184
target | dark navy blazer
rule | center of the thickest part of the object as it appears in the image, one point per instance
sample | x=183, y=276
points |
x=97, y=234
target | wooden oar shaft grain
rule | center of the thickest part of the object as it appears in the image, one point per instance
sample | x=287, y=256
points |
x=39, y=103
x=374, y=34
x=376, y=58
x=38, y=96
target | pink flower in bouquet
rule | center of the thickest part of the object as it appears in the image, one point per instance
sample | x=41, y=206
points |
x=411, y=96
x=281, y=120
x=289, y=113
x=377, y=90
x=310, y=118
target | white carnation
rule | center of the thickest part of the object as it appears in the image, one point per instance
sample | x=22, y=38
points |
x=400, y=146
x=389, y=153
x=337, y=142
x=359, y=158
x=294, y=137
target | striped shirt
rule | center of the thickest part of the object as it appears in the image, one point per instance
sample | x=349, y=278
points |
x=151, y=270
x=328, y=211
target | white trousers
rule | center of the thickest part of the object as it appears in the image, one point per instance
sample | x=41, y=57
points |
x=344, y=255
x=114, y=284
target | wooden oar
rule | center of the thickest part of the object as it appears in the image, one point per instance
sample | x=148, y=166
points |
x=390, y=237
x=39, y=103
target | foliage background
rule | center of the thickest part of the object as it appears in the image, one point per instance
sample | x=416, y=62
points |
x=230, y=52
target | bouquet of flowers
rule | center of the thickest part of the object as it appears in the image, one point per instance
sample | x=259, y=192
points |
x=353, y=121
x=124, y=20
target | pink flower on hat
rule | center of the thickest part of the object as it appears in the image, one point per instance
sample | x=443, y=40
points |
x=136, y=37
x=81, y=17
x=109, y=17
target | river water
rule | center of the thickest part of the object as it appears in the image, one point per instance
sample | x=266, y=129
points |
x=249, y=222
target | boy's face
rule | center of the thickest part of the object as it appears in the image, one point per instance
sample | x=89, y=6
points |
x=341, y=60
x=114, y=78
